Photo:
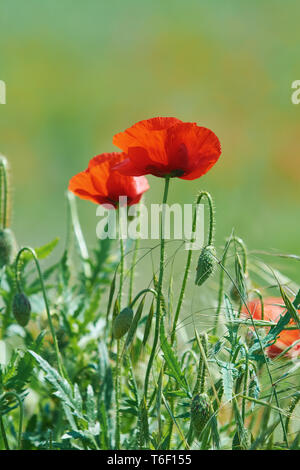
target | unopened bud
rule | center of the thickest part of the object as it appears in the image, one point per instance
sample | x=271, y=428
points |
x=234, y=294
x=200, y=412
x=122, y=322
x=206, y=264
x=21, y=308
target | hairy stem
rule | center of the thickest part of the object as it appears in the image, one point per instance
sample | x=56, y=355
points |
x=189, y=256
x=241, y=244
x=33, y=254
x=159, y=289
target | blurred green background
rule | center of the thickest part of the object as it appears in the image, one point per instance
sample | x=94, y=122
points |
x=77, y=72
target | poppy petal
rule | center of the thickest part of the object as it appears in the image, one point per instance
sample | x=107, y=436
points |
x=168, y=147
x=143, y=132
x=99, y=184
x=201, y=147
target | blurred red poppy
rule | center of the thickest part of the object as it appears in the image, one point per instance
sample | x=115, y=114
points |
x=166, y=146
x=101, y=185
x=273, y=308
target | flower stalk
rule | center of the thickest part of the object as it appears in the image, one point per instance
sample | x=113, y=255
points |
x=189, y=256
x=17, y=276
x=159, y=287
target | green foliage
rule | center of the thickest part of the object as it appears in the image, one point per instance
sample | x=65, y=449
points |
x=207, y=390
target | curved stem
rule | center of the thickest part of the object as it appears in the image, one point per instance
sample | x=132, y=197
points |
x=189, y=256
x=258, y=293
x=152, y=291
x=241, y=244
x=33, y=254
x=159, y=287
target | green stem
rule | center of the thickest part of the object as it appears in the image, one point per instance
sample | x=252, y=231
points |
x=4, y=193
x=83, y=251
x=117, y=372
x=295, y=400
x=134, y=259
x=189, y=256
x=245, y=382
x=152, y=291
x=122, y=262
x=264, y=355
x=21, y=414
x=257, y=292
x=200, y=381
x=241, y=244
x=3, y=434
x=159, y=288
x=33, y=254
x=118, y=393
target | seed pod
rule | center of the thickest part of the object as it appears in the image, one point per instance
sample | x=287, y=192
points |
x=21, y=308
x=7, y=247
x=200, y=412
x=206, y=264
x=122, y=322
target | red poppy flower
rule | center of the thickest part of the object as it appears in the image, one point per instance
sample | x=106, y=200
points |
x=101, y=185
x=167, y=147
x=273, y=308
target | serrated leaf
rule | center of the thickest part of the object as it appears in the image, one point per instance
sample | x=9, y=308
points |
x=43, y=251
x=62, y=387
x=77, y=398
x=91, y=410
x=227, y=371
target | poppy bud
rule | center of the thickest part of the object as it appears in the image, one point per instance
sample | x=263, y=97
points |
x=250, y=338
x=206, y=264
x=21, y=308
x=7, y=247
x=200, y=412
x=234, y=294
x=122, y=322
x=237, y=290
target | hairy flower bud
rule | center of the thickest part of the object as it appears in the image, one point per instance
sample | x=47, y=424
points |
x=7, y=247
x=234, y=294
x=122, y=322
x=206, y=264
x=21, y=308
x=200, y=412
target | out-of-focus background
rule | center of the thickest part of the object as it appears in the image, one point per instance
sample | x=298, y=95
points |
x=77, y=72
